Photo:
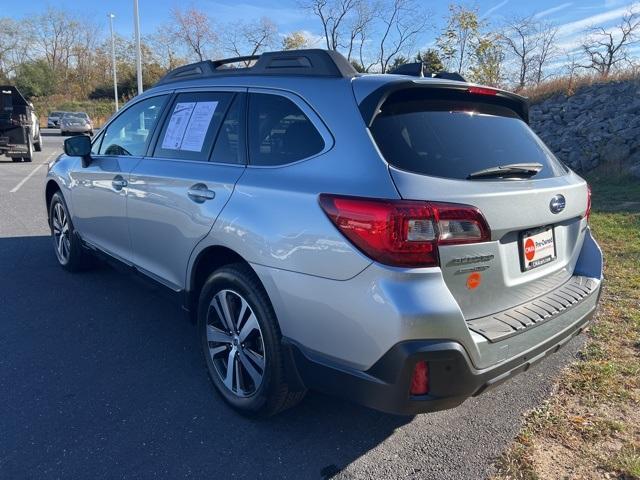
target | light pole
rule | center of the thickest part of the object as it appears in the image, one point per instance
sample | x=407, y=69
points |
x=136, y=25
x=113, y=60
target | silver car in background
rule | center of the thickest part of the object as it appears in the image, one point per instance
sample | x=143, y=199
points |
x=403, y=242
x=75, y=122
x=53, y=120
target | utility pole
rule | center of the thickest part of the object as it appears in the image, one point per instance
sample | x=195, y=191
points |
x=113, y=60
x=136, y=24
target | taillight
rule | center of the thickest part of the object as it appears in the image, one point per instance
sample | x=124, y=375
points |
x=420, y=379
x=482, y=91
x=404, y=233
x=588, y=212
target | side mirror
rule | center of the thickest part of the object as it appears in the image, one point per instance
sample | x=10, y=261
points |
x=79, y=146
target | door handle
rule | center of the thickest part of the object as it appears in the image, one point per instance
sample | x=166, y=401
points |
x=199, y=193
x=118, y=183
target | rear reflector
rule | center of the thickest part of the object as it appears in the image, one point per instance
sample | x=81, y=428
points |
x=404, y=233
x=482, y=91
x=420, y=379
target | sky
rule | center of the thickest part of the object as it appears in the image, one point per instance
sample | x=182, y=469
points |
x=570, y=16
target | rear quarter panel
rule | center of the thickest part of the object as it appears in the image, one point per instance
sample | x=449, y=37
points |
x=273, y=217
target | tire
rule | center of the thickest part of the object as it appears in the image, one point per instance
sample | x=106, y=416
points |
x=38, y=145
x=29, y=155
x=16, y=159
x=69, y=250
x=62, y=133
x=256, y=342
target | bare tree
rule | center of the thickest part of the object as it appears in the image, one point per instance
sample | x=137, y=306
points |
x=362, y=52
x=606, y=49
x=546, y=51
x=571, y=68
x=363, y=16
x=54, y=34
x=165, y=47
x=332, y=14
x=401, y=22
x=193, y=28
x=10, y=44
x=246, y=39
x=521, y=41
x=84, y=57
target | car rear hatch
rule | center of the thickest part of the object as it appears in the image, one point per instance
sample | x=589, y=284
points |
x=457, y=143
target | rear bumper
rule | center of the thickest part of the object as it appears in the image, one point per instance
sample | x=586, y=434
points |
x=452, y=376
x=77, y=129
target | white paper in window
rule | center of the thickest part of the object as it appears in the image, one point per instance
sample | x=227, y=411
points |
x=198, y=126
x=177, y=125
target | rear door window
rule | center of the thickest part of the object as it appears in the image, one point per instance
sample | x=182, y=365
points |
x=230, y=144
x=191, y=125
x=453, y=138
x=279, y=132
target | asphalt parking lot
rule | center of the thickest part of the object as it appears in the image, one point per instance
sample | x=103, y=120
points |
x=101, y=377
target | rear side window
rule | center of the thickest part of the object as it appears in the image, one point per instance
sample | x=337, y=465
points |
x=455, y=138
x=191, y=125
x=129, y=132
x=279, y=132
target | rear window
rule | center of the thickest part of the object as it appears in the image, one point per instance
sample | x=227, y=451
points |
x=454, y=138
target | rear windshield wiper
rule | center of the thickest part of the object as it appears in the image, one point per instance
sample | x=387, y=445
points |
x=512, y=170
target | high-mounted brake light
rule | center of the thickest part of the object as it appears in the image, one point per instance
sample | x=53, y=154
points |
x=404, y=233
x=482, y=91
x=588, y=212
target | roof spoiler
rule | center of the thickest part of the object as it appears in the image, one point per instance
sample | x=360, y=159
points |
x=370, y=106
x=313, y=62
x=417, y=69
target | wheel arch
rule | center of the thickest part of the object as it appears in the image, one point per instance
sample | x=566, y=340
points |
x=51, y=188
x=213, y=257
x=206, y=261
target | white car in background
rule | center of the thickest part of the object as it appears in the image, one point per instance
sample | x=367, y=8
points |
x=76, y=122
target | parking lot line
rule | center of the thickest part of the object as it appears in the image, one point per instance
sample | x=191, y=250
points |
x=24, y=180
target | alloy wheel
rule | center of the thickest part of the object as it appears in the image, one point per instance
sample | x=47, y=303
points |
x=235, y=342
x=61, y=238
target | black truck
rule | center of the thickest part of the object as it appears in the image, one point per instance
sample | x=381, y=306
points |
x=19, y=128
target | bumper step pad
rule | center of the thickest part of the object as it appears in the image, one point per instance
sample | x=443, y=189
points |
x=514, y=320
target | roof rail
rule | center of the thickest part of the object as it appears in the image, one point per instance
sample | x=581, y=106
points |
x=311, y=62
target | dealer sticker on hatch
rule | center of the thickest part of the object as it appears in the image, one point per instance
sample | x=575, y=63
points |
x=537, y=248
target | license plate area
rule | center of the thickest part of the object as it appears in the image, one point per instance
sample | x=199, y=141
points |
x=537, y=247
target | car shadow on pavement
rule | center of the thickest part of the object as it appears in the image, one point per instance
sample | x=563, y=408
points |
x=101, y=376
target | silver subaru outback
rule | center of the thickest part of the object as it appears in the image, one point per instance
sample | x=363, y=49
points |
x=403, y=242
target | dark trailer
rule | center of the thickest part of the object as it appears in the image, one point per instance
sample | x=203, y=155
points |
x=19, y=131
